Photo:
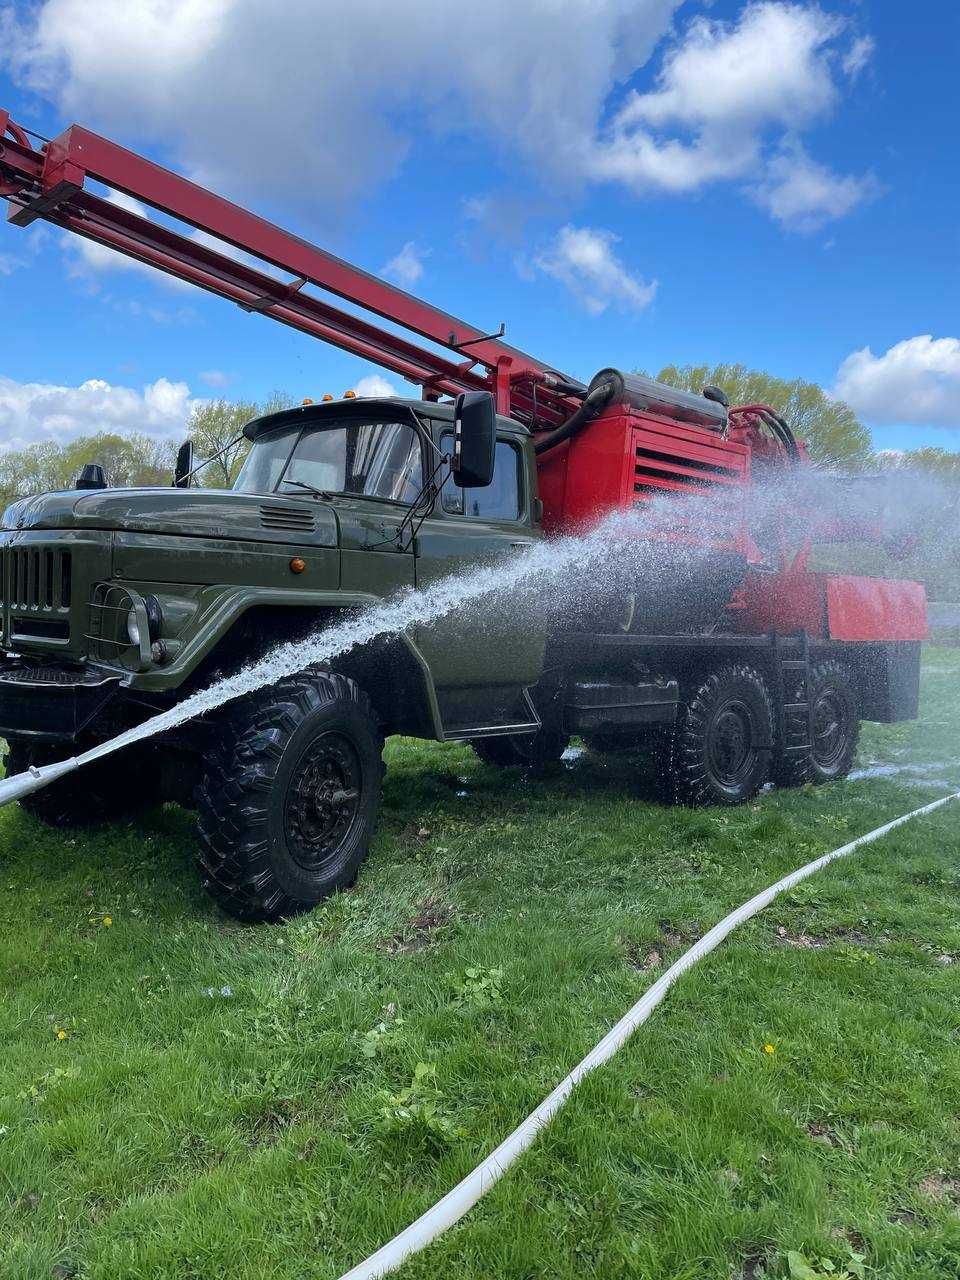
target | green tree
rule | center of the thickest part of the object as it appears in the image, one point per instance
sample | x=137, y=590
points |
x=128, y=461
x=830, y=428
x=134, y=460
x=215, y=427
x=933, y=461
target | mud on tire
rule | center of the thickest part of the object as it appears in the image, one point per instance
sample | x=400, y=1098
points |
x=722, y=743
x=289, y=796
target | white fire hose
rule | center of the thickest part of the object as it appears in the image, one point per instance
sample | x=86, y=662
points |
x=475, y=1185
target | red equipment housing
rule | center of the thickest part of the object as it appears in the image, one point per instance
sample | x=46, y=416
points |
x=625, y=456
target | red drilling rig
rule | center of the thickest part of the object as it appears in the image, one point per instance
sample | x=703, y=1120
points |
x=758, y=628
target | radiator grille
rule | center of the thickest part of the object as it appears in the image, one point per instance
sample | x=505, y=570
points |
x=295, y=519
x=37, y=580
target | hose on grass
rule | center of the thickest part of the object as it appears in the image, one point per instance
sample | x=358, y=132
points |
x=476, y=1184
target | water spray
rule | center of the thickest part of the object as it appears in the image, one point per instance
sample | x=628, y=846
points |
x=661, y=543
x=408, y=609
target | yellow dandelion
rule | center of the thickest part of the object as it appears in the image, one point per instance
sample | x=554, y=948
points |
x=61, y=1034
x=107, y=921
x=769, y=1048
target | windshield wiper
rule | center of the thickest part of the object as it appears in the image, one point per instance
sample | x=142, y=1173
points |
x=317, y=493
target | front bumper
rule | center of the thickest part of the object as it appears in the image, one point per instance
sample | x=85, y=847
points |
x=53, y=704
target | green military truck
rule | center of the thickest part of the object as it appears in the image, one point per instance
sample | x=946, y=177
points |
x=118, y=603
x=723, y=654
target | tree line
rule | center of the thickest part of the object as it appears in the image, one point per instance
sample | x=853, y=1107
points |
x=132, y=460
x=831, y=429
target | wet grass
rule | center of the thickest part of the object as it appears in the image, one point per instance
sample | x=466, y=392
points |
x=183, y=1098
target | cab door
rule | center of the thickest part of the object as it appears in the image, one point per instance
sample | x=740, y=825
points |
x=489, y=648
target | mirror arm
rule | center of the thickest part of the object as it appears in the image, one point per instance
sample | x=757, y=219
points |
x=213, y=458
x=420, y=509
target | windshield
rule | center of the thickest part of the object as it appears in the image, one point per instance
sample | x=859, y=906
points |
x=370, y=459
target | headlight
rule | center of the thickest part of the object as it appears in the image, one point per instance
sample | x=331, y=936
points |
x=154, y=621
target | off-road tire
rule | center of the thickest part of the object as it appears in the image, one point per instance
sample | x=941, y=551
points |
x=536, y=751
x=720, y=750
x=107, y=791
x=835, y=729
x=287, y=803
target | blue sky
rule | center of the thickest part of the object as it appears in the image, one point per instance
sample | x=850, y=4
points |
x=656, y=182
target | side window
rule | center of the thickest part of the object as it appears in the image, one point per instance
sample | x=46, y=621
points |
x=500, y=500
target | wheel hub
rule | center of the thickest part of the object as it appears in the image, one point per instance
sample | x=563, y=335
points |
x=828, y=721
x=730, y=745
x=323, y=800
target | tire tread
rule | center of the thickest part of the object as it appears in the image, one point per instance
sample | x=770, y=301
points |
x=233, y=794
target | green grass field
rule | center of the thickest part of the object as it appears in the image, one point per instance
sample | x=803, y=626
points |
x=183, y=1098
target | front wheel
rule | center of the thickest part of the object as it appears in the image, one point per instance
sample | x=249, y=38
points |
x=720, y=750
x=289, y=796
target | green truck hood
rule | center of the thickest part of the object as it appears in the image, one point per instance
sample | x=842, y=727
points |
x=215, y=513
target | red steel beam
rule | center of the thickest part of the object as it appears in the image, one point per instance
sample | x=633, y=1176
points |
x=105, y=223
x=49, y=184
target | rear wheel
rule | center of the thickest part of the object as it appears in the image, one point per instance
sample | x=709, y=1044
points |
x=522, y=750
x=834, y=728
x=289, y=797
x=105, y=791
x=722, y=743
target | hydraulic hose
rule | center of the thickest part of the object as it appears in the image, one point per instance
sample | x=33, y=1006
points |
x=594, y=402
x=475, y=1185
x=785, y=433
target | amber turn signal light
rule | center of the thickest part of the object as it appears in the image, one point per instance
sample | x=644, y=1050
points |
x=297, y=565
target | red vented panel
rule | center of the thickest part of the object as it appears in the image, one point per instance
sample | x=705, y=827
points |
x=625, y=457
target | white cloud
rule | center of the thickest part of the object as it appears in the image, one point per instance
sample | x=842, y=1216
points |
x=207, y=80
x=803, y=195
x=87, y=259
x=406, y=267
x=583, y=259
x=215, y=378
x=917, y=382
x=375, y=385
x=31, y=242
x=723, y=86
x=858, y=55
x=34, y=412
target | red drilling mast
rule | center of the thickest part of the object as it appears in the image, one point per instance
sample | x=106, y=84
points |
x=49, y=181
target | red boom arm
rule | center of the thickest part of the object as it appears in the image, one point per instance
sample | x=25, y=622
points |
x=48, y=182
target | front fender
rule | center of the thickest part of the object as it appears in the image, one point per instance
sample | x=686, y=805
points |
x=219, y=609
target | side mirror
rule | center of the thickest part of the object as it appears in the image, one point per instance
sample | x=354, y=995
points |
x=184, y=465
x=92, y=476
x=474, y=439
